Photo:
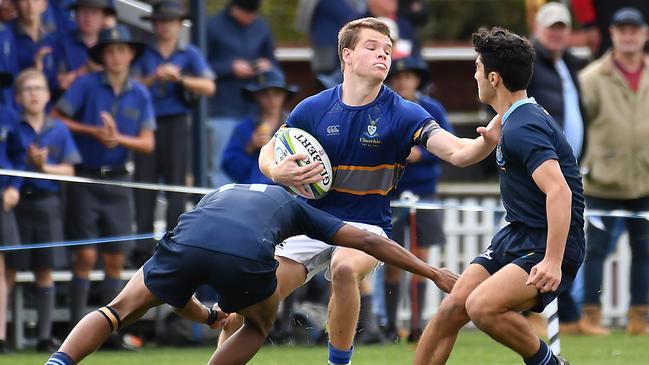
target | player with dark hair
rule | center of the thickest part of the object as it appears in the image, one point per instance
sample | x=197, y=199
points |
x=228, y=242
x=540, y=250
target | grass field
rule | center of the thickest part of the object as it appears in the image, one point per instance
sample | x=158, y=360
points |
x=473, y=347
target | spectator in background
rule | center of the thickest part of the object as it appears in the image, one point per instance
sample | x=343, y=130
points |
x=240, y=45
x=408, y=76
x=110, y=115
x=12, y=157
x=322, y=19
x=34, y=46
x=405, y=41
x=416, y=11
x=594, y=16
x=57, y=18
x=614, y=90
x=71, y=51
x=240, y=158
x=50, y=149
x=555, y=86
x=176, y=75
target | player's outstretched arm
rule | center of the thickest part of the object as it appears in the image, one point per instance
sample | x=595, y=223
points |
x=390, y=252
x=546, y=275
x=288, y=172
x=464, y=152
x=195, y=311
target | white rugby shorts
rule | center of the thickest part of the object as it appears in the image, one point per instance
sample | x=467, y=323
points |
x=316, y=255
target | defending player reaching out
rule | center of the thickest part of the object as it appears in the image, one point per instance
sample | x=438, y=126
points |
x=228, y=242
x=367, y=131
x=541, y=249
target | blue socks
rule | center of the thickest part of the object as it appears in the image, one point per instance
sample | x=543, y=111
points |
x=542, y=357
x=339, y=357
x=59, y=358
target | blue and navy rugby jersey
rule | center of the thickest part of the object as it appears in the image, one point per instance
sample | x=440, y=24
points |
x=528, y=138
x=249, y=220
x=367, y=146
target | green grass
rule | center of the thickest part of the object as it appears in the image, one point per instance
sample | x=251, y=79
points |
x=473, y=347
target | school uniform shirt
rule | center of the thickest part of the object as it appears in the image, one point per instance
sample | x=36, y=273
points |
x=90, y=95
x=61, y=149
x=367, y=146
x=241, y=166
x=167, y=96
x=26, y=49
x=8, y=63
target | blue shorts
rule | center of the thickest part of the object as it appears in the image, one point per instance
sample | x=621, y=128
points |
x=175, y=271
x=525, y=246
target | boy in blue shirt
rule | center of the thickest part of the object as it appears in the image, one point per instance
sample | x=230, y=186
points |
x=50, y=149
x=71, y=50
x=110, y=114
x=227, y=242
x=173, y=72
x=367, y=131
x=242, y=152
x=539, y=252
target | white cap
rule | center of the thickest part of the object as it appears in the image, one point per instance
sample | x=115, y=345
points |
x=552, y=13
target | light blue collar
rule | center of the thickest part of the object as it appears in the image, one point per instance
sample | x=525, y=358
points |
x=516, y=105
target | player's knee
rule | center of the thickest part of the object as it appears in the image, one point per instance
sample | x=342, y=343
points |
x=452, y=309
x=479, y=310
x=344, y=275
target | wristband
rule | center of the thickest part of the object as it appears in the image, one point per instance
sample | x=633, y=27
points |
x=212, y=316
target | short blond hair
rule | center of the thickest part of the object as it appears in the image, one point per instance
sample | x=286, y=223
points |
x=348, y=35
x=28, y=74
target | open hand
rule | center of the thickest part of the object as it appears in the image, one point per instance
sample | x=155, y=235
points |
x=446, y=280
x=221, y=317
x=491, y=133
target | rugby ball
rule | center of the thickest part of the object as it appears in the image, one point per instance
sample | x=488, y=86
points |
x=290, y=141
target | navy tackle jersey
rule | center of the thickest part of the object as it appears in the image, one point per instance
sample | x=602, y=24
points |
x=367, y=146
x=528, y=138
x=249, y=220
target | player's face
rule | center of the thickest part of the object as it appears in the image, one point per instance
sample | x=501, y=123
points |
x=90, y=20
x=628, y=38
x=118, y=57
x=371, y=57
x=33, y=95
x=405, y=83
x=486, y=91
x=167, y=29
x=553, y=38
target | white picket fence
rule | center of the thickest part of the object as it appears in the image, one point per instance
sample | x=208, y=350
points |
x=468, y=233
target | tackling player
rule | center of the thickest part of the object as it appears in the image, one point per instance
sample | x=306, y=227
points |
x=228, y=242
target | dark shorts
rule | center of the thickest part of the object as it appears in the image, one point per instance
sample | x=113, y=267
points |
x=40, y=220
x=97, y=211
x=525, y=247
x=175, y=271
x=430, y=225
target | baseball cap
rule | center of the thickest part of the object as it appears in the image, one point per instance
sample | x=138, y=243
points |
x=628, y=15
x=552, y=13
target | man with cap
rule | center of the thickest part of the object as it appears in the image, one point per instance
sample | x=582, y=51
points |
x=408, y=77
x=110, y=115
x=615, y=168
x=12, y=157
x=173, y=72
x=240, y=157
x=71, y=51
x=240, y=45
